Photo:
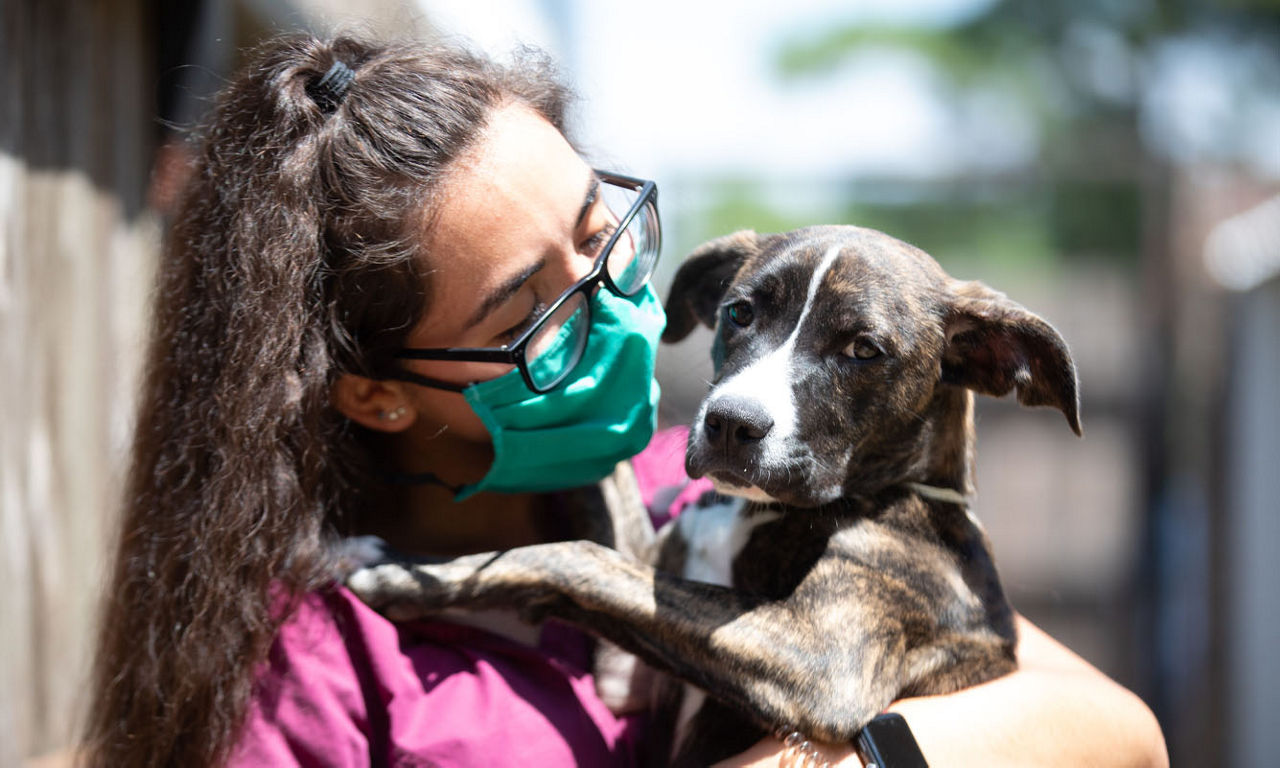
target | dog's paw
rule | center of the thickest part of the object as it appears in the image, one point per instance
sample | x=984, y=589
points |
x=385, y=587
x=381, y=578
x=404, y=588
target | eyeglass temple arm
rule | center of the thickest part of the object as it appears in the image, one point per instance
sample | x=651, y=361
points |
x=426, y=381
x=469, y=354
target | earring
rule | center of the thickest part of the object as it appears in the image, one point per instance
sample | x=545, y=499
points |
x=393, y=414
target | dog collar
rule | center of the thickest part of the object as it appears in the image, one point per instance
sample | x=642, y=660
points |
x=938, y=493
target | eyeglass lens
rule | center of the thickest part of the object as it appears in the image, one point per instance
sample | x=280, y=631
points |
x=558, y=343
x=636, y=248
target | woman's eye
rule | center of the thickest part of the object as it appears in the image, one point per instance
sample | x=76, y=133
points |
x=863, y=348
x=597, y=241
x=514, y=332
x=740, y=313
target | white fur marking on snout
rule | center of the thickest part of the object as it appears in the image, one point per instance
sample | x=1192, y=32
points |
x=768, y=381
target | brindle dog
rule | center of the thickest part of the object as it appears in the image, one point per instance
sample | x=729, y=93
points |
x=850, y=572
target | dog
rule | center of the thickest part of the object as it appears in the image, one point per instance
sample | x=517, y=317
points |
x=844, y=569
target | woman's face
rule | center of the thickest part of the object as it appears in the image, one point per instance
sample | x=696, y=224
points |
x=516, y=223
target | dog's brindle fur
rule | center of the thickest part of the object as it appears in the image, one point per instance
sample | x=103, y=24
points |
x=845, y=362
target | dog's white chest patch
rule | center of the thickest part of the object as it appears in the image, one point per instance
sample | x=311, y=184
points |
x=714, y=536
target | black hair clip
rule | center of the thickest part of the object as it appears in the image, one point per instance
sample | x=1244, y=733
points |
x=328, y=91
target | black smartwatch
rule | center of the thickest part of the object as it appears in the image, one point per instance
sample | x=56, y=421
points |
x=887, y=742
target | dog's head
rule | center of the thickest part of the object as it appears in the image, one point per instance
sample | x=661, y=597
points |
x=844, y=359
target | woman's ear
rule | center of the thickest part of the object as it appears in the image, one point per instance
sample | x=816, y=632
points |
x=380, y=405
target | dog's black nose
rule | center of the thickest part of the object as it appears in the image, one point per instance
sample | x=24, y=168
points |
x=737, y=421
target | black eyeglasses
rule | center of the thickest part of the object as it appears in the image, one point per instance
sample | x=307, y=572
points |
x=548, y=350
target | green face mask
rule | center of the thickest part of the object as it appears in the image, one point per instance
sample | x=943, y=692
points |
x=605, y=412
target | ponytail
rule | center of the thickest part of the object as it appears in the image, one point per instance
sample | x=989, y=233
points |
x=295, y=256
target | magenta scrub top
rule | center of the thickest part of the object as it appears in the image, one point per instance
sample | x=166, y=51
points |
x=344, y=686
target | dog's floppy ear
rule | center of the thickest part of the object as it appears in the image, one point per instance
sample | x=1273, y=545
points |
x=702, y=280
x=994, y=345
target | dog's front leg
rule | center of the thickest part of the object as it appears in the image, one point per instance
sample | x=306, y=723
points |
x=757, y=655
x=531, y=579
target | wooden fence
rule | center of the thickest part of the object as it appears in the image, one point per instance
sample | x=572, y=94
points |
x=76, y=249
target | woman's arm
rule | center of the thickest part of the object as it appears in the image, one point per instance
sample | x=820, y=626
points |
x=1056, y=709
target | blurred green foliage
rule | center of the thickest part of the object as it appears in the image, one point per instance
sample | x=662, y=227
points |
x=739, y=203
x=1095, y=217
x=1084, y=197
x=1007, y=230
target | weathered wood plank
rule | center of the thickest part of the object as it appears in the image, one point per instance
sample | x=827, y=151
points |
x=76, y=251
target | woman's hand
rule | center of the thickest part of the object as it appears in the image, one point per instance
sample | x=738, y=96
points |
x=1056, y=709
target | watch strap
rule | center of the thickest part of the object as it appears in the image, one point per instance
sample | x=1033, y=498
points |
x=887, y=742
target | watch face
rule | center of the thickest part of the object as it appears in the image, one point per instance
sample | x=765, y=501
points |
x=887, y=742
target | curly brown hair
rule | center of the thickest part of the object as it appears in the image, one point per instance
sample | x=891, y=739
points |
x=295, y=256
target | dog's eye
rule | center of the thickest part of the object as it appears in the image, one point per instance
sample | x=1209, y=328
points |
x=863, y=348
x=740, y=313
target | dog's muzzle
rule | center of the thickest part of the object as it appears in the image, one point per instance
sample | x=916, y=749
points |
x=735, y=426
x=737, y=442
x=730, y=439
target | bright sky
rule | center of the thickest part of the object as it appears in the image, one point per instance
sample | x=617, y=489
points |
x=679, y=88
x=674, y=86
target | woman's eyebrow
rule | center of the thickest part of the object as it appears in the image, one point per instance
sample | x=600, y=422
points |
x=499, y=295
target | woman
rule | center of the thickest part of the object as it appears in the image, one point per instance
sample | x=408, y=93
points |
x=352, y=206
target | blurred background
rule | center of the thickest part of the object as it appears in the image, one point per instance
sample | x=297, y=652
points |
x=1112, y=164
